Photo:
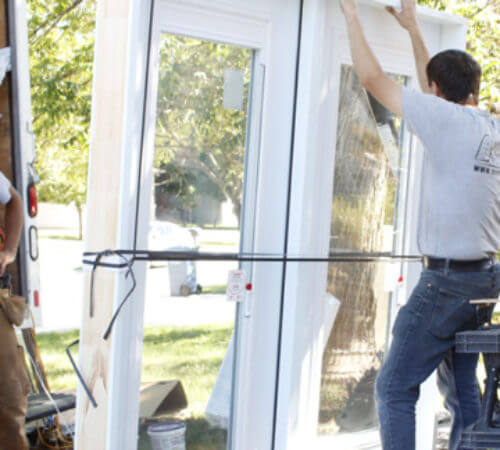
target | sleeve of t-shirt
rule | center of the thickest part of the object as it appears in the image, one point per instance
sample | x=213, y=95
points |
x=4, y=189
x=426, y=115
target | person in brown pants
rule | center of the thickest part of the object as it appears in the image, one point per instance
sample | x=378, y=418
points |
x=14, y=383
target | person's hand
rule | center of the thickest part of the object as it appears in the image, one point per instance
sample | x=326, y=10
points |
x=349, y=7
x=407, y=18
x=6, y=257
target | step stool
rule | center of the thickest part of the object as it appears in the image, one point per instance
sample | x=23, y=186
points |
x=485, y=433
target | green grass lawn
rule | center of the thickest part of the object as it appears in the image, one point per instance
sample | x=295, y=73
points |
x=215, y=289
x=59, y=372
x=192, y=355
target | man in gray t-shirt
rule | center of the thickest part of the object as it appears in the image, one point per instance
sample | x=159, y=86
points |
x=460, y=204
x=458, y=233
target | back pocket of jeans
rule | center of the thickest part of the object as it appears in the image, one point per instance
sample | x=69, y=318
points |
x=452, y=313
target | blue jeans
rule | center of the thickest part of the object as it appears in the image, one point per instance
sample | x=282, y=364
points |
x=423, y=340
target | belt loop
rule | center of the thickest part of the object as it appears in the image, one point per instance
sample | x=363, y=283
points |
x=446, y=266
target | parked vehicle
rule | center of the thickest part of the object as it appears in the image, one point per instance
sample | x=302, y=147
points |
x=19, y=168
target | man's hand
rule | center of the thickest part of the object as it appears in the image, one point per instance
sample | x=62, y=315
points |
x=407, y=18
x=349, y=8
x=6, y=257
x=366, y=65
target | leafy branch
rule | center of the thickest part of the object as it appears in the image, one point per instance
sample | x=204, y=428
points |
x=46, y=27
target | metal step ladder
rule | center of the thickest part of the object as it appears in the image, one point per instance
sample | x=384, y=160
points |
x=485, y=433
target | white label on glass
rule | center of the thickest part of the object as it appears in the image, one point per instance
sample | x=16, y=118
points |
x=234, y=81
x=236, y=285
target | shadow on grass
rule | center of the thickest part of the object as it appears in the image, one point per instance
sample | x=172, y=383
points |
x=169, y=335
x=202, y=367
x=56, y=342
x=60, y=371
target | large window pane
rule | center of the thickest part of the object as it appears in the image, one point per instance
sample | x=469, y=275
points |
x=370, y=176
x=196, y=202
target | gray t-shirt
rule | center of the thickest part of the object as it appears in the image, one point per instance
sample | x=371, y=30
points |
x=4, y=189
x=460, y=203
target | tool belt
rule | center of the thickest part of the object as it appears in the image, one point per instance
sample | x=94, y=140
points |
x=456, y=265
x=14, y=385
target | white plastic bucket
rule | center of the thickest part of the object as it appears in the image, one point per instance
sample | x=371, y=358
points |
x=168, y=436
x=178, y=274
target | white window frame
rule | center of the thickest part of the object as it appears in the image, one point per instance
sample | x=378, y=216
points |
x=324, y=47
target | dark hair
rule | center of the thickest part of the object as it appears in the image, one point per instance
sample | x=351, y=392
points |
x=456, y=73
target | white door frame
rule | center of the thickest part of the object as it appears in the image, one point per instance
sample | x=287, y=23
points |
x=324, y=47
x=270, y=29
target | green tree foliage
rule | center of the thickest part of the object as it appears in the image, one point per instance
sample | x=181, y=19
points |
x=483, y=41
x=61, y=41
x=194, y=132
x=61, y=36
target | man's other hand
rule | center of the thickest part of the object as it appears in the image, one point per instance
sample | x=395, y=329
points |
x=407, y=17
x=6, y=257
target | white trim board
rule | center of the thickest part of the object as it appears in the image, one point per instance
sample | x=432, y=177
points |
x=234, y=26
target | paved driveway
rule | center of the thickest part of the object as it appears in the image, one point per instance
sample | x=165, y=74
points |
x=61, y=291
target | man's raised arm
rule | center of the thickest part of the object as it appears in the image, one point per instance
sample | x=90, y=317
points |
x=369, y=71
x=407, y=18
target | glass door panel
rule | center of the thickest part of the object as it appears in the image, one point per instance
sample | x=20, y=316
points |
x=367, y=209
x=196, y=203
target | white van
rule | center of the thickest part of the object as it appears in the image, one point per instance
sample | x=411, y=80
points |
x=23, y=176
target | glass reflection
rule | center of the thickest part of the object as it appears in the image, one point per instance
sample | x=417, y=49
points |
x=369, y=179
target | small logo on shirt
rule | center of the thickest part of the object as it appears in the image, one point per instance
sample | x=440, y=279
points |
x=488, y=156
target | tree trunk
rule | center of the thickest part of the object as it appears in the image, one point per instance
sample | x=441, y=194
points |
x=79, y=209
x=237, y=208
x=360, y=193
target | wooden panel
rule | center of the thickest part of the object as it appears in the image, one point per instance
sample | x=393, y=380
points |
x=103, y=216
x=5, y=139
